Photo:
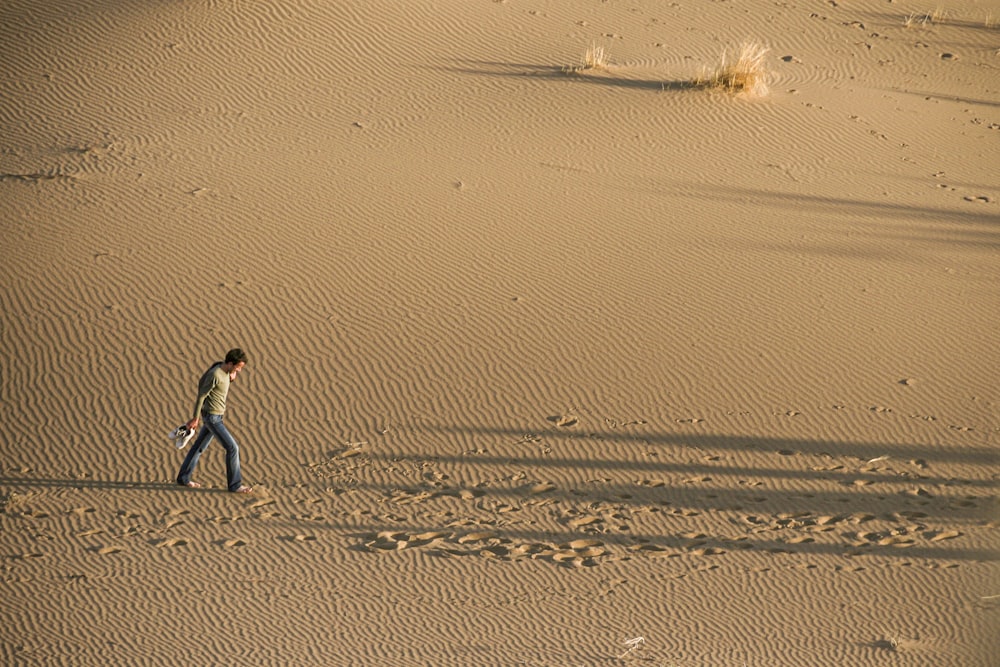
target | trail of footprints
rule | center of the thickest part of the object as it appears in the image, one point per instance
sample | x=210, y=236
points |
x=592, y=541
x=601, y=532
x=474, y=522
x=492, y=544
x=907, y=529
x=115, y=534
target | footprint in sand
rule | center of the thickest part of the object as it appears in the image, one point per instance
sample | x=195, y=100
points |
x=896, y=541
x=583, y=544
x=576, y=553
x=88, y=533
x=476, y=537
x=173, y=542
x=586, y=521
x=685, y=512
x=350, y=453
x=708, y=551
x=410, y=497
x=827, y=520
x=106, y=551
x=883, y=540
x=943, y=535
x=396, y=541
x=498, y=550
x=491, y=545
x=233, y=543
x=653, y=551
x=571, y=559
x=429, y=536
x=264, y=515
x=387, y=541
x=171, y=518
x=541, y=487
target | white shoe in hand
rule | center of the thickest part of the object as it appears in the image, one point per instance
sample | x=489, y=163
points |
x=181, y=436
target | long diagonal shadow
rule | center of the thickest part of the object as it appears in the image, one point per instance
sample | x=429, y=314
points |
x=611, y=77
x=861, y=450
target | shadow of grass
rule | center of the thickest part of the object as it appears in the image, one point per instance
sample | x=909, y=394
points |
x=611, y=76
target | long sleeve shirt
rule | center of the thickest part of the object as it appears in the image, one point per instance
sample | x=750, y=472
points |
x=213, y=387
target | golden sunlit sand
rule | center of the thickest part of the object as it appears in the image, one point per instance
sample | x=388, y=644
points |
x=568, y=345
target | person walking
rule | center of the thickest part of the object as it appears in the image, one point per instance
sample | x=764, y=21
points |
x=213, y=388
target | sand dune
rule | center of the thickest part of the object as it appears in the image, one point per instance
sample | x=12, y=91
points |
x=548, y=365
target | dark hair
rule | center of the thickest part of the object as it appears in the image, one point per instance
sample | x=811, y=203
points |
x=235, y=356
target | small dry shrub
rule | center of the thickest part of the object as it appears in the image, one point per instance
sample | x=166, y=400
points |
x=596, y=58
x=937, y=17
x=746, y=74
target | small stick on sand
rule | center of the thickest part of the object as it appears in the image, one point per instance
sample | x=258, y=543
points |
x=632, y=644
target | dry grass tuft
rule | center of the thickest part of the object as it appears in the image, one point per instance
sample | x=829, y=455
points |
x=747, y=74
x=937, y=17
x=596, y=58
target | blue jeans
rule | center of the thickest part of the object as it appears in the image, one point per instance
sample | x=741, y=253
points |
x=213, y=428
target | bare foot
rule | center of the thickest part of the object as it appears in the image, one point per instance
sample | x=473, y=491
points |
x=244, y=489
x=192, y=485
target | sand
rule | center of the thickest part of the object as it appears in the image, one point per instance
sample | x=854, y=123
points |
x=548, y=365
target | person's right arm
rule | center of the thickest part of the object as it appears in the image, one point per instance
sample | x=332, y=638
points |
x=204, y=387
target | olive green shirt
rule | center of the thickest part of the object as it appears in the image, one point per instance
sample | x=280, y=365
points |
x=213, y=387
